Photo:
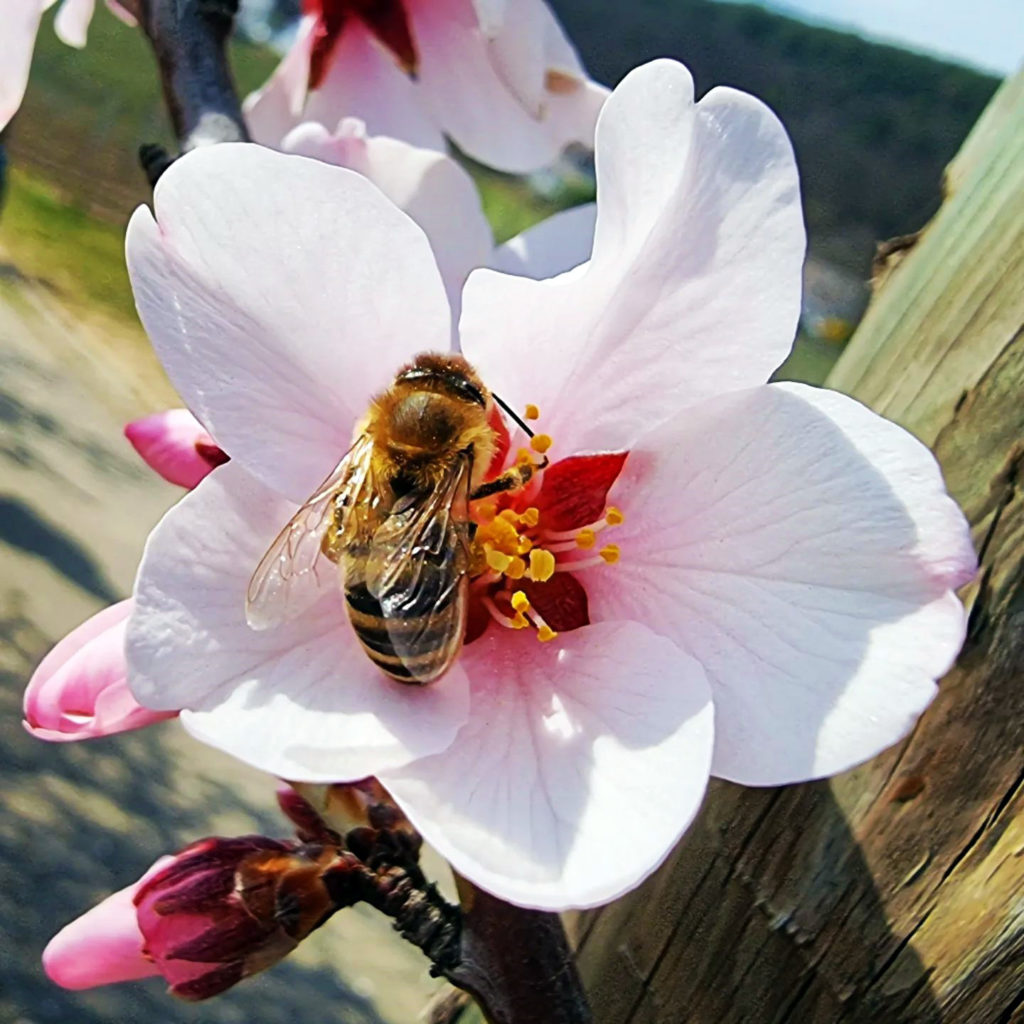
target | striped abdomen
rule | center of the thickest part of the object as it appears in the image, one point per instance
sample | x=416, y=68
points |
x=413, y=630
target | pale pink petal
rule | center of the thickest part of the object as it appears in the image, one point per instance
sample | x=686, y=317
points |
x=363, y=80
x=491, y=14
x=79, y=691
x=300, y=700
x=694, y=286
x=104, y=945
x=559, y=243
x=281, y=293
x=175, y=445
x=121, y=13
x=274, y=109
x=429, y=186
x=582, y=763
x=17, y=41
x=470, y=96
x=72, y=21
x=804, y=551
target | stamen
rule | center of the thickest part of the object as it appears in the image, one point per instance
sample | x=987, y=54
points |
x=540, y=443
x=486, y=510
x=498, y=560
x=532, y=412
x=610, y=553
x=586, y=538
x=520, y=602
x=546, y=633
x=516, y=569
x=542, y=565
x=614, y=516
x=531, y=517
x=499, y=617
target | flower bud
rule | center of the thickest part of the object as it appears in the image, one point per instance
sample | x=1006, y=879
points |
x=79, y=690
x=175, y=445
x=228, y=908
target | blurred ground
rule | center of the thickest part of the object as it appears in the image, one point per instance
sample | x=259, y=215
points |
x=80, y=820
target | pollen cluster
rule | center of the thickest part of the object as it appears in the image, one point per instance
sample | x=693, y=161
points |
x=512, y=544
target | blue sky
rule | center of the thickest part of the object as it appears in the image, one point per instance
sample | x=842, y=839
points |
x=986, y=33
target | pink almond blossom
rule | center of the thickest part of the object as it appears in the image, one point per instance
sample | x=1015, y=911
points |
x=175, y=445
x=502, y=80
x=441, y=197
x=17, y=40
x=79, y=691
x=754, y=580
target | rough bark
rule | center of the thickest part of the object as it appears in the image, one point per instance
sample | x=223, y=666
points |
x=892, y=893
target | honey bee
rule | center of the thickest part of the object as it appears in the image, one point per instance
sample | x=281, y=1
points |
x=394, y=516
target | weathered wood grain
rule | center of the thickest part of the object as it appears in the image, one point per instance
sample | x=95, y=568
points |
x=895, y=892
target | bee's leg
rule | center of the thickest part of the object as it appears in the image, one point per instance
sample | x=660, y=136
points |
x=512, y=479
x=330, y=544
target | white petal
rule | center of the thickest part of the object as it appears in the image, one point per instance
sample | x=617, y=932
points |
x=552, y=247
x=17, y=40
x=301, y=701
x=490, y=94
x=275, y=108
x=72, y=21
x=694, y=286
x=280, y=294
x=582, y=763
x=363, y=80
x=803, y=549
x=429, y=186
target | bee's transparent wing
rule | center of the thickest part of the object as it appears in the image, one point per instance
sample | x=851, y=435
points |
x=280, y=589
x=417, y=572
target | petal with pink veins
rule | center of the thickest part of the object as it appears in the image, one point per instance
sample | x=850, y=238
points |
x=280, y=294
x=429, y=186
x=175, y=445
x=492, y=95
x=695, y=281
x=72, y=21
x=804, y=551
x=104, y=945
x=557, y=244
x=17, y=41
x=583, y=761
x=300, y=700
x=80, y=690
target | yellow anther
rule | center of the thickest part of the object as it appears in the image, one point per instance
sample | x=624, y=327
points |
x=585, y=538
x=503, y=534
x=531, y=516
x=540, y=443
x=610, y=553
x=516, y=568
x=546, y=633
x=520, y=602
x=519, y=621
x=532, y=412
x=524, y=457
x=486, y=510
x=524, y=545
x=509, y=515
x=542, y=565
x=614, y=516
x=497, y=560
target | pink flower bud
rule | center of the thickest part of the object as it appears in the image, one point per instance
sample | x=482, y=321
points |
x=79, y=690
x=175, y=445
x=104, y=945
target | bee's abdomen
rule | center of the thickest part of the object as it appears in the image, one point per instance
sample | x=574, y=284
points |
x=413, y=640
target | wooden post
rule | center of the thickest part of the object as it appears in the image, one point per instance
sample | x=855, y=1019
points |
x=895, y=892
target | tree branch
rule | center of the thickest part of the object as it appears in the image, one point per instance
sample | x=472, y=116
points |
x=189, y=38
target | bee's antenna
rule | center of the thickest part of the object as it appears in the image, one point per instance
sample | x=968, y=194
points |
x=511, y=413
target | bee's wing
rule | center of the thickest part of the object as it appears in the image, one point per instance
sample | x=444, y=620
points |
x=417, y=572
x=276, y=592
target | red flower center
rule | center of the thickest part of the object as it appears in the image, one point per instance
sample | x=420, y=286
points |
x=529, y=542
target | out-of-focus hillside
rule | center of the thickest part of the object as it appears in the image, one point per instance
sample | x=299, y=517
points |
x=873, y=125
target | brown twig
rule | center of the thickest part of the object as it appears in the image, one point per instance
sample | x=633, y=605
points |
x=189, y=39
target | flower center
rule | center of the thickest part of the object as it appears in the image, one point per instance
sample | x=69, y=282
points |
x=530, y=541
